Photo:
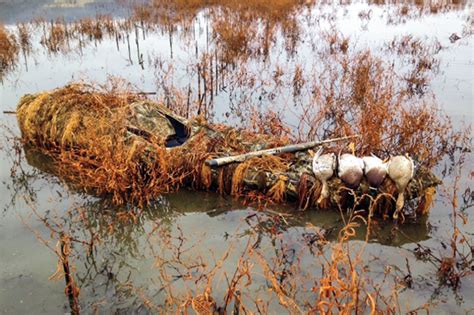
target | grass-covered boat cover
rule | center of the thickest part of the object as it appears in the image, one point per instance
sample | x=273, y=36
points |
x=116, y=143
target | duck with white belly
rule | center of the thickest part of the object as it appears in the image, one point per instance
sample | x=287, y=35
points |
x=323, y=169
x=350, y=170
x=401, y=170
x=375, y=170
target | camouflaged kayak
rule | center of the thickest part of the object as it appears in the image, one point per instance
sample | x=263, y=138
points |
x=135, y=149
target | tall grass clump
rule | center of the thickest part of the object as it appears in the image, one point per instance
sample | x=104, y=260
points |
x=87, y=132
x=9, y=49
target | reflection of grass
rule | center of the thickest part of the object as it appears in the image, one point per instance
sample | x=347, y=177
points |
x=188, y=275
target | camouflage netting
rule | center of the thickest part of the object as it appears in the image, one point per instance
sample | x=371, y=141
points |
x=111, y=143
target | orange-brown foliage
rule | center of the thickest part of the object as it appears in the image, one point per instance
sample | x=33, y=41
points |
x=84, y=129
x=8, y=50
x=362, y=94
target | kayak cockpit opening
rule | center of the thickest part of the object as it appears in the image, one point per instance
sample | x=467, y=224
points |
x=181, y=133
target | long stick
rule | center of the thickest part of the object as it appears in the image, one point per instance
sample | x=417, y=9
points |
x=71, y=290
x=285, y=149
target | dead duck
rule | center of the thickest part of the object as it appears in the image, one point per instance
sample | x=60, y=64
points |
x=323, y=169
x=401, y=170
x=350, y=170
x=375, y=170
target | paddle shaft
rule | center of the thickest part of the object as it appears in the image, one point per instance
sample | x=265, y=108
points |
x=285, y=149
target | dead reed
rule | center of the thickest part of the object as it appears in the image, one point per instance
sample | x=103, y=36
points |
x=8, y=51
x=361, y=94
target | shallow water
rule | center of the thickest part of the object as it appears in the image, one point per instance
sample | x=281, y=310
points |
x=123, y=268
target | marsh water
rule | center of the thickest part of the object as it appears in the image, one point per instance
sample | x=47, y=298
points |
x=123, y=273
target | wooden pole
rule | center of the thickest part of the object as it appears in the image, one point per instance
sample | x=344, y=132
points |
x=285, y=149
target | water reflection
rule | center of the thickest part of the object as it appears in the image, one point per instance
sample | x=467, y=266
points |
x=126, y=258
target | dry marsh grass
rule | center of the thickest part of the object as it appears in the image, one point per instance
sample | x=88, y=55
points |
x=349, y=91
x=367, y=102
x=343, y=90
x=24, y=37
x=8, y=51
